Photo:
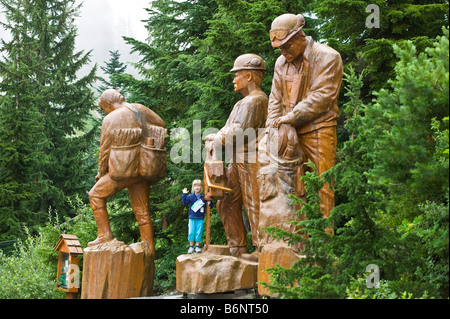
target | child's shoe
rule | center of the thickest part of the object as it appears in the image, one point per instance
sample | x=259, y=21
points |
x=190, y=250
x=198, y=249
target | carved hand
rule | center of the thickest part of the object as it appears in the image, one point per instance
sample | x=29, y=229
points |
x=286, y=119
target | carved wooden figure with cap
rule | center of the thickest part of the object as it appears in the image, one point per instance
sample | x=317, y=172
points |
x=301, y=126
x=306, y=83
x=241, y=134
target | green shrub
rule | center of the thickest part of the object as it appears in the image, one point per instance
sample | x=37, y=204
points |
x=30, y=273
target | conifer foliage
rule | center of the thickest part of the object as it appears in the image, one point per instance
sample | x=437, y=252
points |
x=113, y=66
x=348, y=27
x=43, y=109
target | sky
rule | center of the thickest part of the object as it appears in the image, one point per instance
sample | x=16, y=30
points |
x=101, y=25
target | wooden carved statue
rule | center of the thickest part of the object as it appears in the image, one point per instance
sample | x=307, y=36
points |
x=240, y=134
x=303, y=99
x=131, y=156
x=301, y=126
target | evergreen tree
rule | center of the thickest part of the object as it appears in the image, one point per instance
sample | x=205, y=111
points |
x=172, y=80
x=401, y=117
x=402, y=161
x=394, y=178
x=114, y=66
x=67, y=110
x=22, y=138
x=344, y=26
x=39, y=74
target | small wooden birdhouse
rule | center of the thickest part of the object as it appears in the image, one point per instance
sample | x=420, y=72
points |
x=68, y=273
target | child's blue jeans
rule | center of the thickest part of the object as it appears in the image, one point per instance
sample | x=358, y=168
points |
x=195, y=229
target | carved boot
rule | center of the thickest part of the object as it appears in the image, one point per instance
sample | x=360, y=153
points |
x=104, y=230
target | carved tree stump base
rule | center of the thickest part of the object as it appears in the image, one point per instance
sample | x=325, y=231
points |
x=275, y=253
x=206, y=273
x=223, y=250
x=114, y=270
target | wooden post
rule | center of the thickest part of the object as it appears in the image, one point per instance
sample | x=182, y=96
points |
x=208, y=225
x=71, y=295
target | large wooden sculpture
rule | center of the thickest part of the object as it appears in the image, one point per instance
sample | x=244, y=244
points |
x=241, y=133
x=301, y=126
x=131, y=156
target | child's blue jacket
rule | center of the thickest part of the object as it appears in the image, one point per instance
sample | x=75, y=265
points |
x=190, y=199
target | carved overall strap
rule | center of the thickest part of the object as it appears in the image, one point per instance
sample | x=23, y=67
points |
x=294, y=86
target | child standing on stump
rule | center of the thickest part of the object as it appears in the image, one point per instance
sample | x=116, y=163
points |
x=197, y=207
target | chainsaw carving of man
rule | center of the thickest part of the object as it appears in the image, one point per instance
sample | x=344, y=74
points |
x=241, y=134
x=306, y=83
x=131, y=156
